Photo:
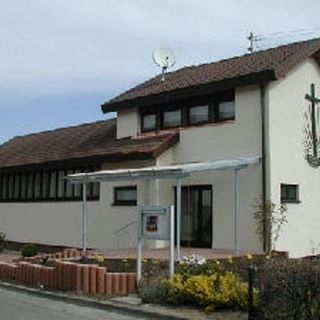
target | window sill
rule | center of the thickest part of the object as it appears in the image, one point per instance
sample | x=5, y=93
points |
x=291, y=201
x=124, y=204
x=45, y=200
x=177, y=129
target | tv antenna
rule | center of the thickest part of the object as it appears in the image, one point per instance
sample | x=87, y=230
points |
x=164, y=58
x=252, y=41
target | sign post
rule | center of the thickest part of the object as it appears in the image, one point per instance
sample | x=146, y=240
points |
x=155, y=223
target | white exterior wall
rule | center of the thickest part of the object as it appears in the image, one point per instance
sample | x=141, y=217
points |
x=59, y=223
x=128, y=123
x=113, y=226
x=241, y=138
x=287, y=105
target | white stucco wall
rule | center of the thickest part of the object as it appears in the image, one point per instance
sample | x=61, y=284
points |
x=287, y=105
x=241, y=137
x=128, y=123
x=59, y=223
x=113, y=226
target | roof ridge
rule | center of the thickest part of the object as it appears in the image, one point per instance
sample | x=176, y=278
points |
x=243, y=55
x=58, y=129
x=204, y=73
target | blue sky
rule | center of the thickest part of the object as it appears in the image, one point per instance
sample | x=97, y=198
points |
x=60, y=59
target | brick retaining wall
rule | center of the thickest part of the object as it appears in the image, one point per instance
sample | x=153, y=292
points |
x=69, y=276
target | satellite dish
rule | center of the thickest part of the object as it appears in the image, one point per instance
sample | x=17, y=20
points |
x=164, y=58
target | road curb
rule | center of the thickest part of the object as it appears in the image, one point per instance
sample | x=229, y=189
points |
x=89, y=302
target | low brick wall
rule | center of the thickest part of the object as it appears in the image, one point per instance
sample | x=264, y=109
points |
x=69, y=276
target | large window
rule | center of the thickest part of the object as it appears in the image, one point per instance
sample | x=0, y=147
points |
x=198, y=114
x=289, y=193
x=210, y=109
x=226, y=111
x=172, y=119
x=125, y=196
x=48, y=185
x=149, y=122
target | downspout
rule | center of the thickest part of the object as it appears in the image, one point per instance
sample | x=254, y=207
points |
x=263, y=155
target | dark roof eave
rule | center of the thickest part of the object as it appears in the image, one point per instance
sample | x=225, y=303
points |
x=188, y=92
x=84, y=161
x=95, y=159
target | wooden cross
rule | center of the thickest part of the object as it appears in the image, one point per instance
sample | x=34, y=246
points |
x=314, y=100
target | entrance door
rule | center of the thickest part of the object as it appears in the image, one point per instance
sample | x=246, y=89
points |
x=196, y=216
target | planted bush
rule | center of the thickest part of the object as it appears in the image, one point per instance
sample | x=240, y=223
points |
x=207, y=285
x=218, y=290
x=29, y=250
x=290, y=289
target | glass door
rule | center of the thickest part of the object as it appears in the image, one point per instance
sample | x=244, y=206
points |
x=196, y=216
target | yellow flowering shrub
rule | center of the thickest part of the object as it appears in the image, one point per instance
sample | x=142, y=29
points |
x=219, y=290
x=99, y=258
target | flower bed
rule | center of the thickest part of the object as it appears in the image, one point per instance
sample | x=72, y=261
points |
x=206, y=284
x=50, y=272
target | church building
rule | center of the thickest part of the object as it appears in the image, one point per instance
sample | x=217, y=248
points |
x=260, y=108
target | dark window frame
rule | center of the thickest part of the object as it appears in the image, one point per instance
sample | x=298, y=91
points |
x=45, y=193
x=218, y=112
x=117, y=202
x=142, y=121
x=163, y=127
x=284, y=188
x=190, y=123
x=212, y=101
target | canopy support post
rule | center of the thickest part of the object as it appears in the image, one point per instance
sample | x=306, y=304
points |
x=84, y=218
x=178, y=218
x=146, y=187
x=236, y=209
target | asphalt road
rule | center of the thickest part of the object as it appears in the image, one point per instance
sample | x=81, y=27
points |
x=21, y=306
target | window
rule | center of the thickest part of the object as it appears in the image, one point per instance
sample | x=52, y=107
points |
x=149, y=122
x=226, y=111
x=125, y=196
x=198, y=114
x=172, y=119
x=212, y=108
x=24, y=185
x=47, y=185
x=289, y=193
x=53, y=185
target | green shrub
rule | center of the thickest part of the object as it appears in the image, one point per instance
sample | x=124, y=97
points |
x=2, y=241
x=29, y=250
x=208, y=285
x=156, y=293
x=220, y=290
x=290, y=289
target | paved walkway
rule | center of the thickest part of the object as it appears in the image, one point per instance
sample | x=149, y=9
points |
x=163, y=253
x=8, y=256
x=22, y=306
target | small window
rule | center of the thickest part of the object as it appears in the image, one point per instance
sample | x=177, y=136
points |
x=45, y=185
x=149, y=122
x=199, y=114
x=289, y=193
x=125, y=196
x=226, y=111
x=24, y=185
x=17, y=184
x=172, y=119
x=53, y=185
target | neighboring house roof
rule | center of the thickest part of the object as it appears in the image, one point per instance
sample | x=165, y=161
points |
x=95, y=141
x=260, y=66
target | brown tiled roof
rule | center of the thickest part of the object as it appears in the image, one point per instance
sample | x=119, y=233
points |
x=264, y=65
x=88, y=141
